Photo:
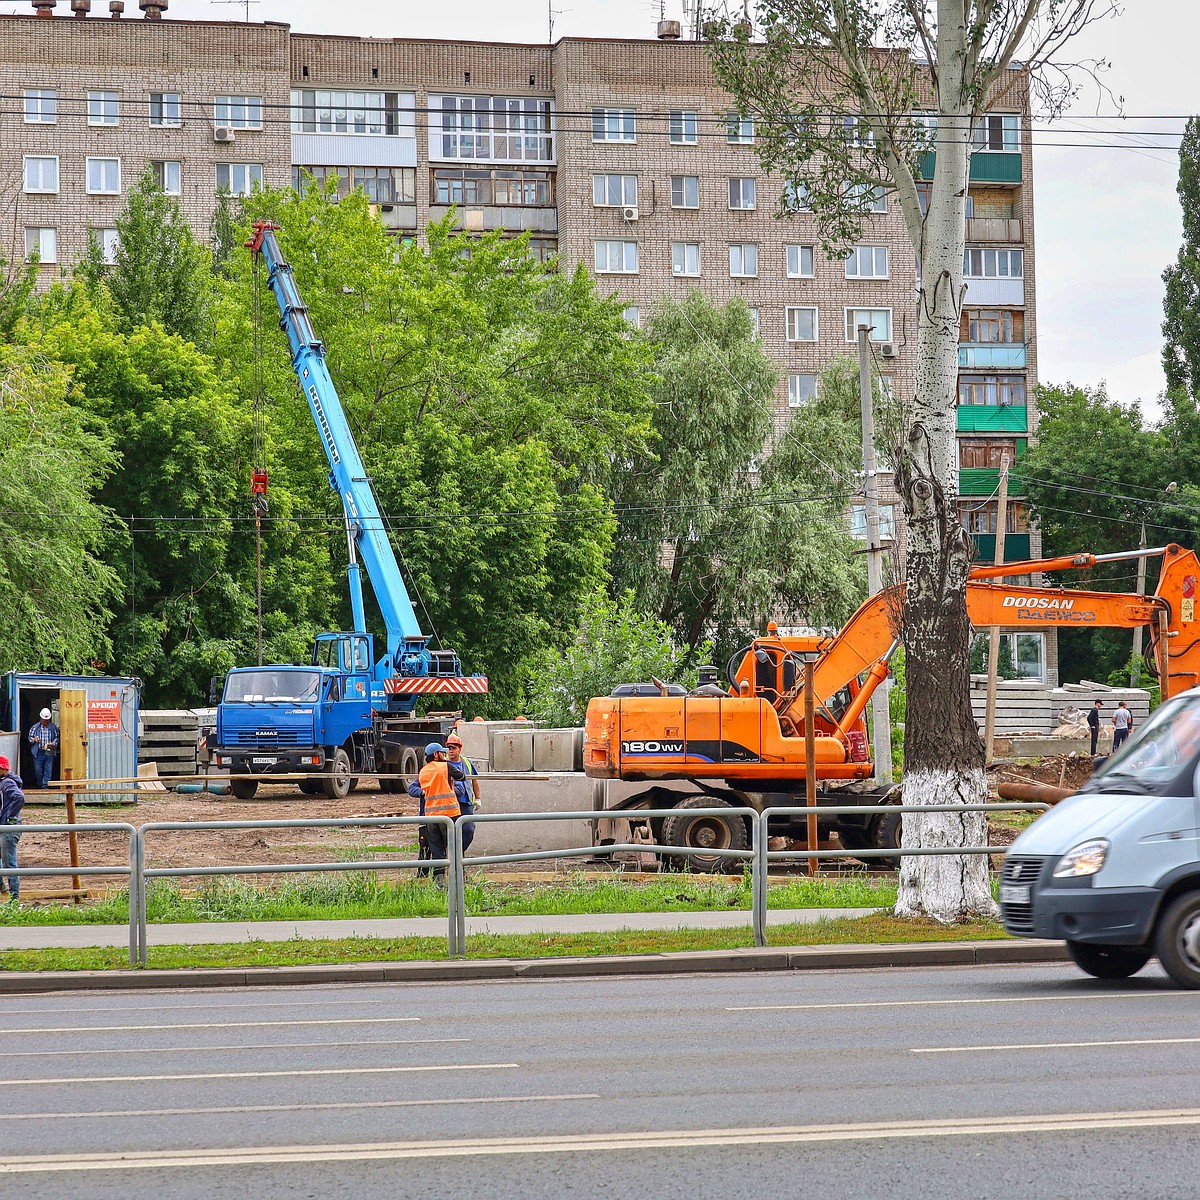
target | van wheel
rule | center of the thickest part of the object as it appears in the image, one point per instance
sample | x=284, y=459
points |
x=1177, y=940
x=337, y=781
x=705, y=833
x=1109, y=962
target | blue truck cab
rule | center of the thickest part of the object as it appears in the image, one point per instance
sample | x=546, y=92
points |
x=1114, y=871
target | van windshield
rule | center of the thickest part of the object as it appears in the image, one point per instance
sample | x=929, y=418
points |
x=1157, y=754
x=266, y=686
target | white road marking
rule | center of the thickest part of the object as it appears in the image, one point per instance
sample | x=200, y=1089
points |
x=216, y=1025
x=170, y=1006
x=299, y=1073
x=271, y=1108
x=1185, y=1041
x=586, y=1143
x=308, y=1046
x=1071, y=999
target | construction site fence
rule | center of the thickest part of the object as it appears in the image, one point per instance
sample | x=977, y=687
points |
x=454, y=864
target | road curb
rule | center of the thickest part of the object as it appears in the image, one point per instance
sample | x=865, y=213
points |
x=767, y=958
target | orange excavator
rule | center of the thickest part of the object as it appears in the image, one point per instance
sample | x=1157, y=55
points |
x=743, y=745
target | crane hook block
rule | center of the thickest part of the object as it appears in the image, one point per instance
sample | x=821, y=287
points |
x=258, y=481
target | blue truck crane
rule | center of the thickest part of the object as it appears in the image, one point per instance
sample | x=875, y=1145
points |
x=345, y=713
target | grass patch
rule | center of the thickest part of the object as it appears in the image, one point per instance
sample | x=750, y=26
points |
x=880, y=930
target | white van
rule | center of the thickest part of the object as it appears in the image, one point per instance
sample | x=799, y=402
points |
x=1115, y=870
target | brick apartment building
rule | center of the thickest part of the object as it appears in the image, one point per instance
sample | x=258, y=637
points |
x=621, y=154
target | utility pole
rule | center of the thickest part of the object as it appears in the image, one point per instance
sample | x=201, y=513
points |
x=989, y=720
x=881, y=726
x=1135, y=669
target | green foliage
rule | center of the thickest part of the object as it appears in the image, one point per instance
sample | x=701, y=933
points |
x=160, y=273
x=613, y=644
x=1181, y=304
x=1135, y=673
x=55, y=591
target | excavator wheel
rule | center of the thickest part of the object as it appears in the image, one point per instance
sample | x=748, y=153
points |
x=681, y=828
x=885, y=835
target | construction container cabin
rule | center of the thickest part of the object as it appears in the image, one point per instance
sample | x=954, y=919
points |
x=112, y=724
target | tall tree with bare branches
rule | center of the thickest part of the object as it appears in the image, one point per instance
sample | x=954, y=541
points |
x=850, y=98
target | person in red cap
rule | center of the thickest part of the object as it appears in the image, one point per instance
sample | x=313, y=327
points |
x=466, y=789
x=12, y=800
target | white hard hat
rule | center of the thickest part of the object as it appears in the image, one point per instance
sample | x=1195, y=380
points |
x=45, y=714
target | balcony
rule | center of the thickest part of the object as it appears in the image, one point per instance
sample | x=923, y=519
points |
x=995, y=293
x=994, y=229
x=978, y=481
x=979, y=356
x=1016, y=547
x=989, y=167
x=993, y=418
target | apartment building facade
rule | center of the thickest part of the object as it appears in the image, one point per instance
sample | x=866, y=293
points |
x=620, y=154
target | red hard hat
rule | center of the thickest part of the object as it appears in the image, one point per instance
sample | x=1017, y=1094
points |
x=5, y=765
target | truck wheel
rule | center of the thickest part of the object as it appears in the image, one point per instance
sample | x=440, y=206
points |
x=310, y=786
x=1109, y=962
x=1177, y=940
x=410, y=768
x=705, y=833
x=337, y=781
x=243, y=789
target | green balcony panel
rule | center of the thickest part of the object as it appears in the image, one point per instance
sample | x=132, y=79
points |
x=1016, y=547
x=978, y=481
x=985, y=168
x=993, y=418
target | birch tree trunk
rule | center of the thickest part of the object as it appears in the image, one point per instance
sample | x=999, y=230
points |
x=943, y=754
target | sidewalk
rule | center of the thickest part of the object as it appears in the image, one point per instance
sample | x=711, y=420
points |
x=75, y=937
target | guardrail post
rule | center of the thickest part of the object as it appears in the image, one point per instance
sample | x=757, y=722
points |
x=134, y=940
x=460, y=915
x=143, y=939
x=758, y=879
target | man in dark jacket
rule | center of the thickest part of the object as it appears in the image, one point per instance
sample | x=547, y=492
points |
x=1094, y=725
x=12, y=800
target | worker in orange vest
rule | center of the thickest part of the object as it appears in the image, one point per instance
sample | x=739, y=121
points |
x=434, y=787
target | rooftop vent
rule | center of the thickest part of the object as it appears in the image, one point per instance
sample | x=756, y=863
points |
x=116, y=8
x=669, y=31
x=153, y=9
x=44, y=8
x=81, y=8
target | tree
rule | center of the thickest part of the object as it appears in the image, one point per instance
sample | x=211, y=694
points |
x=613, y=644
x=55, y=590
x=852, y=96
x=160, y=273
x=725, y=522
x=1181, y=329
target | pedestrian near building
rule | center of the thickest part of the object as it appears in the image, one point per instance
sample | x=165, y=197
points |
x=12, y=800
x=43, y=741
x=434, y=787
x=1093, y=719
x=1122, y=723
x=467, y=788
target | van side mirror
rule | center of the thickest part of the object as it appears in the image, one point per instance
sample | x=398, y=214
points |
x=215, y=686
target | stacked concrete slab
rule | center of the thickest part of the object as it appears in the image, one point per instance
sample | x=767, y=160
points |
x=169, y=738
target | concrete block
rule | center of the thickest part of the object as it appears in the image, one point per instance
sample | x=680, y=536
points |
x=512, y=750
x=477, y=736
x=557, y=750
x=563, y=792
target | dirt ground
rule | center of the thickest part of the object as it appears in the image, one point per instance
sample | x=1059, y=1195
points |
x=1063, y=770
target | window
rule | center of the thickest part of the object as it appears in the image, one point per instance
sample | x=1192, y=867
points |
x=743, y=259
x=42, y=244
x=614, y=125
x=41, y=173
x=800, y=261
x=522, y=188
x=979, y=263
x=41, y=106
x=165, y=110
x=683, y=127
x=801, y=324
x=614, y=190
x=239, y=178
x=991, y=389
x=739, y=129
x=383, y=185
x=982, y=518
x=879, y=320
x=867, y=262
x=102, y=108
x=616, y=258
x=887, y=522
x=998, y=132
x=987, y=452
x=685, y=258
x=541, y=249
x=755, y=321
x=500, y=128
x=108, y=241
x=801, y=389
x=685, y=191
x=633, y=314
x=867, y=197
x=743, y=193
x=995, y=325
x=169, y=176
x=322, y=111
x=795, y=197
x=239, y=112
x=856, y=132
x=103, y=176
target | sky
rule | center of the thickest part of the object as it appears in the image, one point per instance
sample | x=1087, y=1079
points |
x=1106, y=218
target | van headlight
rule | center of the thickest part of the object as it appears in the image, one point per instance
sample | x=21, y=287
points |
x=1085, y=859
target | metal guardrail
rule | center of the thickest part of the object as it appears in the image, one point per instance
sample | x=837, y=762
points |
x=758, y=854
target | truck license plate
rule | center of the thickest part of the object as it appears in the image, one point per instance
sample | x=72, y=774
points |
x=270, y=762
x=1012, y=893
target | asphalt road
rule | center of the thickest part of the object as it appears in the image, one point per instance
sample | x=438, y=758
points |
x=1012, y=1082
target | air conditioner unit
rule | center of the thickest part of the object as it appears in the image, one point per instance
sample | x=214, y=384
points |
x=630, y=212
x=887, y=349
x=223, y=133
